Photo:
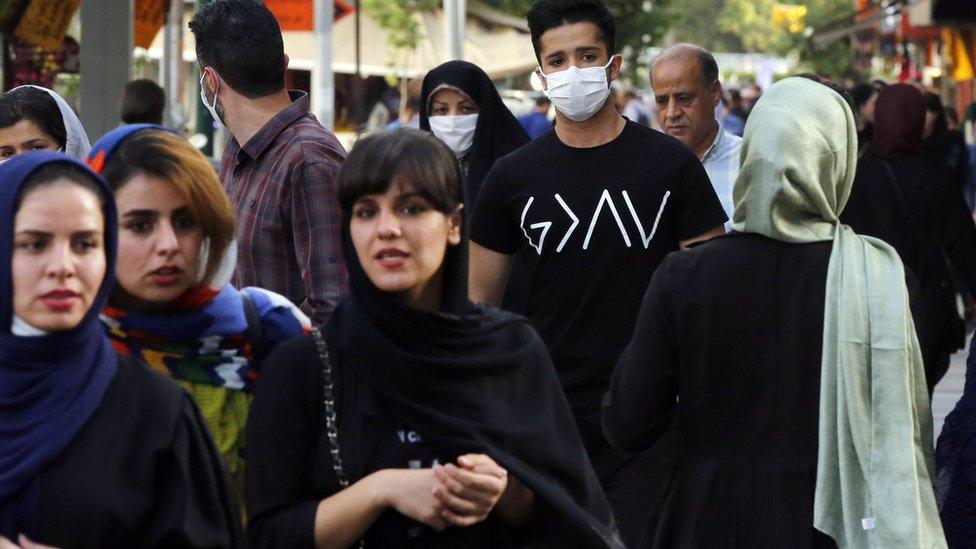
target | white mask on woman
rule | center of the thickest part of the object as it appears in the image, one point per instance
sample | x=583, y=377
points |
x=456, y=131
x=578, y=93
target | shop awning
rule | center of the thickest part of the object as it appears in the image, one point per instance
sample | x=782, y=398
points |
x=497, y=43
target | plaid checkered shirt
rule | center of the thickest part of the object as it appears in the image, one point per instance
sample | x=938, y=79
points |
x=282, y=183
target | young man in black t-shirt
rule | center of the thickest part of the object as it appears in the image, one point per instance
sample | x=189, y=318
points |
x=594, y=206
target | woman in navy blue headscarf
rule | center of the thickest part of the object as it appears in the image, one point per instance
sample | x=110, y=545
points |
x=95, y=450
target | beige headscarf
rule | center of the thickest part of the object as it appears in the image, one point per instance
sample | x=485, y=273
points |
x=874, y=490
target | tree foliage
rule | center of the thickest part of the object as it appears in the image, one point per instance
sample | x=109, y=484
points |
x=398, y=18
x=755, y=26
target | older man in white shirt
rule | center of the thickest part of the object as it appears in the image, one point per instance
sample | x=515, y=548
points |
x=687, y=90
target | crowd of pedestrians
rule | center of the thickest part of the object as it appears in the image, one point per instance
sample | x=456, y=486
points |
x=487, y=331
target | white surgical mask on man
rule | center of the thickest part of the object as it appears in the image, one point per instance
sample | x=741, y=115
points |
x=578, y=93
x=456, y=131
x=203, y=97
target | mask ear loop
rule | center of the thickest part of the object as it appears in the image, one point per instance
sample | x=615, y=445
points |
x=542, y=79
x=203, y=77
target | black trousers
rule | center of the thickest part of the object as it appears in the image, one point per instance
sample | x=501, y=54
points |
x=632, y=482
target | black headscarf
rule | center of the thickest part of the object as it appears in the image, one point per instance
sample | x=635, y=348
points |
x=498, y=131
x=474, y=379
x=946, y=147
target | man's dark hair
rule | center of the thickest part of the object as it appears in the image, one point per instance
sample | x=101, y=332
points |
x=545, y=15
x=861, y=93
x=401, y=156
x=34, y=105
x=933, y=104
x=143, y=101
x=241, y=40
x=952, y=115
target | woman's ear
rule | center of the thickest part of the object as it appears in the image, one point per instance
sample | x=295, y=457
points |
x=454, y=227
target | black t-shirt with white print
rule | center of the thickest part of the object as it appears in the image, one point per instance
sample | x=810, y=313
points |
x=594, y=224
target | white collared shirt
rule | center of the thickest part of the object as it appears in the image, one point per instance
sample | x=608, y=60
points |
x=721, y=162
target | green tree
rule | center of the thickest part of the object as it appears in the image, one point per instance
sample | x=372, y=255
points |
x=749, y=26
x=751, y=21
x=399, y=19
x=835, y=59
x=697, y=22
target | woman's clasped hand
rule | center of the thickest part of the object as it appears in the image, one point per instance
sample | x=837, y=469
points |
x=445, y=495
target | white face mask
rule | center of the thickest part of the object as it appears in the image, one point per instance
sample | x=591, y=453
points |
x=203, y=97
x=578, y=93
x=457, y=132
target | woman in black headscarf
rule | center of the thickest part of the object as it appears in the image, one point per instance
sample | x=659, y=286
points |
x=945, y=146
x=463, y=109
x=900, y=196
x=415, y=418
x=864, y=97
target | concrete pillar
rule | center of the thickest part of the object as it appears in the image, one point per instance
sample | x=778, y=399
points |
x=106, y=62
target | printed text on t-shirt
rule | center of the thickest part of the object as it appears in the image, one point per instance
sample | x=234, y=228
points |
x=606, y=200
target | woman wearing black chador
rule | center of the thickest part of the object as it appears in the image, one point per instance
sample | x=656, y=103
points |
x=414, y=418
x=901, y=196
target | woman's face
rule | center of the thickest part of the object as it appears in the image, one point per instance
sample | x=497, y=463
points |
x=448, y=102
x=58, y=261
x=401, y=240
x=25, y=136
x=159, y=242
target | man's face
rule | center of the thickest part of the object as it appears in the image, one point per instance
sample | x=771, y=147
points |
x=576, y=44
x=685, y=104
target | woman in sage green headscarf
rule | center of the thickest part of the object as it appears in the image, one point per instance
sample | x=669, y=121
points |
x=788, y=350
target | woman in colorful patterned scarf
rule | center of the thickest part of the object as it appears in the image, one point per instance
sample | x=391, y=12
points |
x=173, y=305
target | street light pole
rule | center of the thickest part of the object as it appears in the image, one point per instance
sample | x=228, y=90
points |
x=323, y=82
x=455, y=13
x=173, y=64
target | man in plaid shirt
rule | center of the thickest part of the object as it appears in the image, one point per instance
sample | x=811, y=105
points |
x=280, y=166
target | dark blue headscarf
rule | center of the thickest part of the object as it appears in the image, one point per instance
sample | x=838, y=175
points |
x=50, y=384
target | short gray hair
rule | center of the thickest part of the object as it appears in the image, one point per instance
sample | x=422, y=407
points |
x=706, y=61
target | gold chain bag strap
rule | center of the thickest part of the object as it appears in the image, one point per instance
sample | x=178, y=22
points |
x=331, y=426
